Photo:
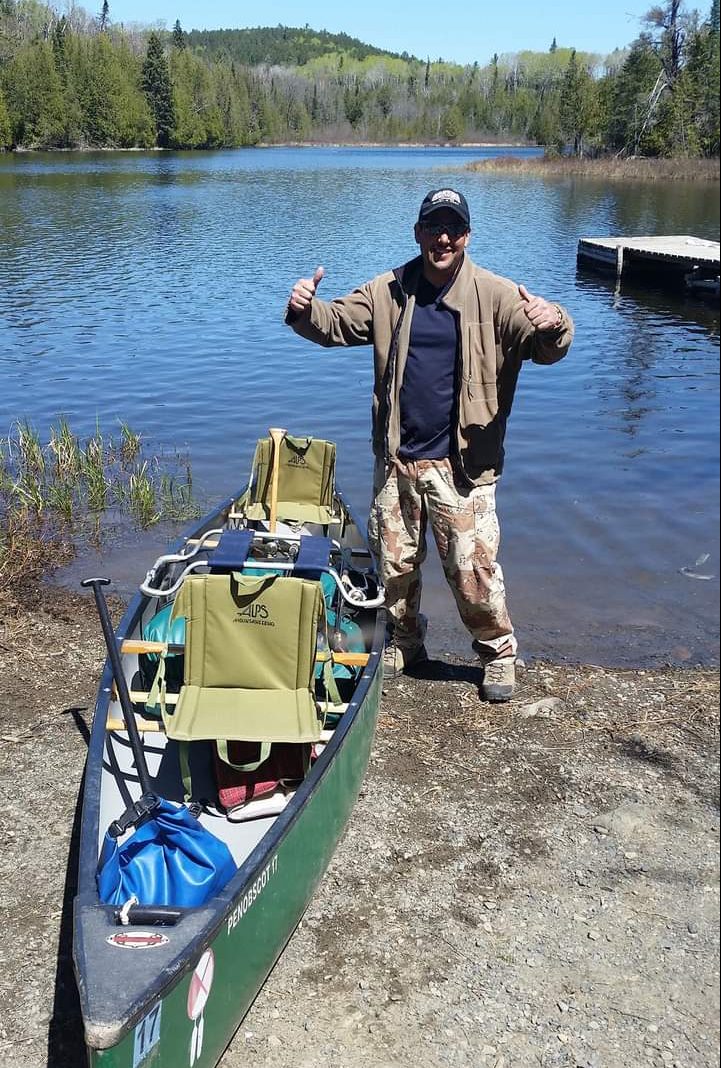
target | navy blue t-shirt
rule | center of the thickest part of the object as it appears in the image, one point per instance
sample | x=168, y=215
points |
x=428, y=391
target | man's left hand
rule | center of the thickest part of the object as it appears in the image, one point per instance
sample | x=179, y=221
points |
x=539, y=312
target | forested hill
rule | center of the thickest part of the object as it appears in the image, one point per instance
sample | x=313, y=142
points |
x=71, y=79
x=283, y=46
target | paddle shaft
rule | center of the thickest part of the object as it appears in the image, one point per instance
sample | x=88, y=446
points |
x=120, y=681
x=276, y=437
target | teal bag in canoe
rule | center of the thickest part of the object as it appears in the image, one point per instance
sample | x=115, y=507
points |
x=161, y=629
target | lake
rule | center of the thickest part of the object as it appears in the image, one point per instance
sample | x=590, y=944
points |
x=150, y=288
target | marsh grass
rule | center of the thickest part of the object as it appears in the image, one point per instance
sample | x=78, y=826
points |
x=607, y=168
x=130, y=444
x=93, y=468
x=65, y=449
x=176, y=496
x=55, y=496
x=142, y=497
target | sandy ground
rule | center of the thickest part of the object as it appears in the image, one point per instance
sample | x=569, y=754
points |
x=520, y=885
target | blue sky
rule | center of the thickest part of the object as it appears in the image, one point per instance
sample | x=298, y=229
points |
x=463, y=31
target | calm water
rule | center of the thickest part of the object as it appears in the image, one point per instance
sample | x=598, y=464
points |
x=151, y=288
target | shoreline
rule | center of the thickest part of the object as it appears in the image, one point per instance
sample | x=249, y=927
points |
x=442, y=145
x=608, y=168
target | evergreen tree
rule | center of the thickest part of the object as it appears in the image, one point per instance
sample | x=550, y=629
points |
x=632, y=96
x=180, y=39
x=690, y=124
x=158, y=89
x=198, y=118
x=59, y=38
x=576, y=104
x=554, y=46
x=452, y=125
x=98, y=85
x=135, y=122
x=353, y=106
x=104, y=17
x=233, y=105
x=6, y=134
x=34, y=97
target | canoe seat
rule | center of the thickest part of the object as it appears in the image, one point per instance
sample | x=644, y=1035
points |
x=250, y=650
x=306, y=482
x=248, y=680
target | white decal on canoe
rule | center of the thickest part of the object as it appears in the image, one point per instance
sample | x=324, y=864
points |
x=198, y=994
x=147, y=1035
x=137, y=940
x=252, y=893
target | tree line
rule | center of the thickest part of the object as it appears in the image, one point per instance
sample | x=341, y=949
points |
x=78, y=80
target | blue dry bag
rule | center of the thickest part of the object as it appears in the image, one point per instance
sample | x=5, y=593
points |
x=171, y=859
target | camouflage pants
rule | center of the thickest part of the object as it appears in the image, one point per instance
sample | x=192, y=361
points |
x=465, y=528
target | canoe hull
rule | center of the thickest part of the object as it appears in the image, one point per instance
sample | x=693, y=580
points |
x=259, y=920
x=164, y=997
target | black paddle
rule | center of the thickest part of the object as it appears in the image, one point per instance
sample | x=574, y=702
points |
x=193, y=845
x=121, y=684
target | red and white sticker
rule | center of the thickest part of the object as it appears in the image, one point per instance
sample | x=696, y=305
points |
x=137, y=940
x=200, y=984
x=198, y=994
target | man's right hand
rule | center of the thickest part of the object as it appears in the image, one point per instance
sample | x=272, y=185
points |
x=303, y=292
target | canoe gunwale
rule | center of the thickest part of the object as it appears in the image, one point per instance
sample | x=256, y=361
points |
x=109, y=1031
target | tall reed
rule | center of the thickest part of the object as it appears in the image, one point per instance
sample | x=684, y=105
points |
x=65, y=448
x=53, y=496
x=93, y=467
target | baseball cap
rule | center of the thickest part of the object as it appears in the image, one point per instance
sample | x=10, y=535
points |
x=445, y=198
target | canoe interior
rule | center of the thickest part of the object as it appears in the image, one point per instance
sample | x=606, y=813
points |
x=289, y=836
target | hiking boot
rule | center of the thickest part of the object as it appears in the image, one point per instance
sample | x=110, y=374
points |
x=396, y=660
x=499, y=679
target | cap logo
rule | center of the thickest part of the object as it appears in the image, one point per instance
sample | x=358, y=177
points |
x=446, y=196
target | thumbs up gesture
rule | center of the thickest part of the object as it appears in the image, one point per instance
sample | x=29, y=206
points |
x=304, y=290
x=539, y=312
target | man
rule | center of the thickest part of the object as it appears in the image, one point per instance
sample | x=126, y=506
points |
x=448, y=339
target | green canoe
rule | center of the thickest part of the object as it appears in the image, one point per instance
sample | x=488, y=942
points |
x=166, y=996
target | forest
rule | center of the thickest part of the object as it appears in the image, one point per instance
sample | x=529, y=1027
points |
x=80, y=80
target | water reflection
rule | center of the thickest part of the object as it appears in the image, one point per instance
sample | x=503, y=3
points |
x=151, y=287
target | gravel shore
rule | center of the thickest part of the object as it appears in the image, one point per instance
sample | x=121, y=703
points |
x=529, y=884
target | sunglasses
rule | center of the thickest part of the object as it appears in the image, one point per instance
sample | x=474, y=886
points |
x=453, y=230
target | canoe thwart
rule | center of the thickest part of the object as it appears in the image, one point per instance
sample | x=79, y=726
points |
x=133, y=645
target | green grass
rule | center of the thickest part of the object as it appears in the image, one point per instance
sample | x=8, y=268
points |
x=55, y=496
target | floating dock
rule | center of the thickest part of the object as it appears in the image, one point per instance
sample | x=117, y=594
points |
x=692, y=259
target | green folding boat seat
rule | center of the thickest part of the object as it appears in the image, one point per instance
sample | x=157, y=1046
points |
x=306, y=480
x=250, y=651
